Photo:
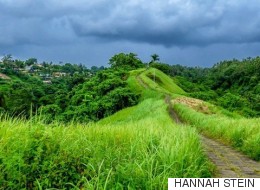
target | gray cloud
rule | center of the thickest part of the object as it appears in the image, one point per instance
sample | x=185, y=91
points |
x=80, y=29
x=175, y=23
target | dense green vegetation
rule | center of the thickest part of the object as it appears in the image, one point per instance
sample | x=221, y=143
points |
x=24, y=90
x=100, y=96
x=232, y=84
x=74, y=93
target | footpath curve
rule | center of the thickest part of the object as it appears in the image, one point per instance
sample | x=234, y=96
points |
x=229, y=162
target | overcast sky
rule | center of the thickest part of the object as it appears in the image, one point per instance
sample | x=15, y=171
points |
x=188, y=32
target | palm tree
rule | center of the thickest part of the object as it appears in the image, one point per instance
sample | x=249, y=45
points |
x=155, y=57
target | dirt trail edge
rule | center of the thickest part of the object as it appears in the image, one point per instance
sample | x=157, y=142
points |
x=229, y=162
x=141, y=82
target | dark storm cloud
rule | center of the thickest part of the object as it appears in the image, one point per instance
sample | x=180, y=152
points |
x=164, y=22
x=89, y=30
x=34, y=22
x=175, y=23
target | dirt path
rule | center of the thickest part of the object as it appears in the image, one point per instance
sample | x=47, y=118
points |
x=171, y=111
x=229, y=163
x=141, y=82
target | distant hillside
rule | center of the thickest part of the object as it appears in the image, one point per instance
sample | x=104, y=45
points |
x=234, y=84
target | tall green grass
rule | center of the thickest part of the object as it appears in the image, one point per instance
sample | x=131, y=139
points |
x=242, y=133
x=145, y=92
x=139, y=152
x=160, y=82
x=132, y=82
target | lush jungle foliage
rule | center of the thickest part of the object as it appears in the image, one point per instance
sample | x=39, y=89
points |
x=234, y=84
x=81, y=94
x=100, y=96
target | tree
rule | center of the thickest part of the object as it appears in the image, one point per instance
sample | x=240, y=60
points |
x=19, y=98
x=155, y=57
x=8, y=61
x=31, y=61
x=125, y=61
x=19, y=63
x=100, y=96
x=7, y=58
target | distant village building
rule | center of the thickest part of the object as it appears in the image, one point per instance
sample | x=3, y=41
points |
x=39, y=65
x=59, y=74
x=45, y=76
x=28, y=68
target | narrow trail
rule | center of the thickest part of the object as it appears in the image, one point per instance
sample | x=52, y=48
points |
x=229, y=162
x=141, y=82
x=171, y=111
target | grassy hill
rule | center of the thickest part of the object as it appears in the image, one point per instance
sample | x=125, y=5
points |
x=159, y=82
x=138, y=148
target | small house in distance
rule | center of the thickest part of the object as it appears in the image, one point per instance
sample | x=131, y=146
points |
x=59, y=74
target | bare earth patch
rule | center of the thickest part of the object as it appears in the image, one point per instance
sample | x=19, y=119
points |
x=143, y=84
x=3, y=76
x=193, y=103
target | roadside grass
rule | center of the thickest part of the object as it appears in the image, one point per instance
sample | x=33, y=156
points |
x=140, y=152
x=241, y=133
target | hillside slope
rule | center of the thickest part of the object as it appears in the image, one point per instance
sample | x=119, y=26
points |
x=136, y=148
x=160, y=82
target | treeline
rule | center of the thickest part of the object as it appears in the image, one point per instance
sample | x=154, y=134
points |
x=84, y=94
x=233, y=84
x=79, y=96
x=31, y=66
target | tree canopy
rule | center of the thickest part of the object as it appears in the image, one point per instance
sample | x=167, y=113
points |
x=125, y=61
